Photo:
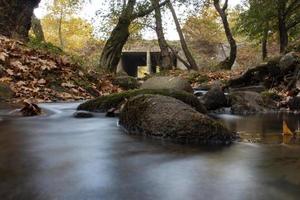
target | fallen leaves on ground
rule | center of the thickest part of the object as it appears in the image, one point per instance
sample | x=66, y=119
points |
x=205, y=76
x=45, y=77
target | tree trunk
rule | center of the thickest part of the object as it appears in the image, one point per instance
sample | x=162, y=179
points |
x=229, y=61
x=184, y=46
x=283, y=31
x=166, y=60
x=60, y=29
x=15, y=18
x=37, y=28
x=264, y=45
x=112, y=50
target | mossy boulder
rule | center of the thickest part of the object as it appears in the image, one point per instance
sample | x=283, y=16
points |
x=126, y=82
x=215, y=99
x=5, y=92
x=104, y=103
x=168, y=82
x=170, y=119
x=246, y=102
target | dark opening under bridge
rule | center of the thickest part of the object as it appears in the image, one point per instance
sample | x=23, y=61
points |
x=131, y=60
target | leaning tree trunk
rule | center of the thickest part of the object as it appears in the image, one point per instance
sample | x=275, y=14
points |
x=229, y=61
x=37, y=28
x=15, y=17
x=112, y=50
x=166, y=60
x=184, y=46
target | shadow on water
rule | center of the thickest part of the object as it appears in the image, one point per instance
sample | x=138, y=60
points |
x=59, y=157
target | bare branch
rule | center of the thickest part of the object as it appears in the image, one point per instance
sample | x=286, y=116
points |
x=148, y=11
x=179, y=57
x=225, y=6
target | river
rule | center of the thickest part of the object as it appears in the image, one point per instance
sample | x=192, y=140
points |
x=60, y=157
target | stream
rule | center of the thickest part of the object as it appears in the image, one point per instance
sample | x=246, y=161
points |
x=57, y=156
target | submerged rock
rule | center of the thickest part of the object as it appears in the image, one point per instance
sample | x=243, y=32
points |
x=105, y=103
x=30, y=109
x=5, y=92
x=170, y=119
x=168, y=82
x=215, y=99
x=83, y=114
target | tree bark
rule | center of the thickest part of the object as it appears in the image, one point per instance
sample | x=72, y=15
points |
x=112, y=50
x=264, y=44
x=15, y=18
x=37, y=28
x=229, y=61
x=61, y=41
x=166, y=60
x=184, y=46
x=282, y=27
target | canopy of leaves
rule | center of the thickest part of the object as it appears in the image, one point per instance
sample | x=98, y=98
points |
x=76, y=32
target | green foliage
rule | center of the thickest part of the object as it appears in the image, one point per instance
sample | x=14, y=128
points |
x=44, y=46
x=75, y=32
x=257, y=16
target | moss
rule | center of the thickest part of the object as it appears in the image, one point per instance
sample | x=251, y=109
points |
x=197, y=78
x=270, y=95
x=44, y=46
x=104, y=103
x=126, y=82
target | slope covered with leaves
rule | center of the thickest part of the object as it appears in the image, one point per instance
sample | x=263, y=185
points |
x=45, y=77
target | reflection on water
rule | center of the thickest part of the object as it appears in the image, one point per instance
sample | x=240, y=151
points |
x=264, y=128
x=60, y=157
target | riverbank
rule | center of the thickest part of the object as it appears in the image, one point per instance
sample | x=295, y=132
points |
x=27, y=73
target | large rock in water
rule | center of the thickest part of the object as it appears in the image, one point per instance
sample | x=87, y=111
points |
x=5, y=92
x=167, y=82
x=170, y=119
x=215, y=99
x=247, y=103
x=105, y=103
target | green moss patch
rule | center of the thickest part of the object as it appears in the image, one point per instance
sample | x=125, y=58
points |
x=104, y=103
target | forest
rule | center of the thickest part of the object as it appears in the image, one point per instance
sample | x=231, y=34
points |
x=149, y=99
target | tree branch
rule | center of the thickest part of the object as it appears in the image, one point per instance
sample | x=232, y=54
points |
x=178, y=57
x=293, y=24
x=225, y=6
x=291, y=7
x=148, y=11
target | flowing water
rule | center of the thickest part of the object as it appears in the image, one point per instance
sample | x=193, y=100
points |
x=59, y=157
